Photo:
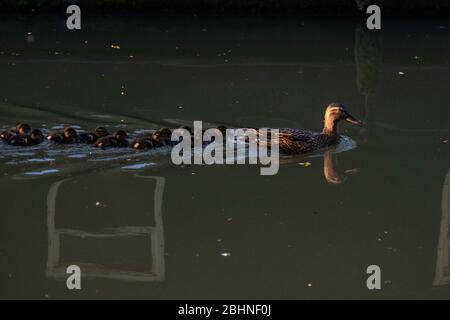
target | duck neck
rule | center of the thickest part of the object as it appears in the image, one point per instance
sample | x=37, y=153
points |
x=330, y=127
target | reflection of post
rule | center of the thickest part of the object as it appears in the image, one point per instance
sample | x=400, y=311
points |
x=158, y=264
x=442, y=275
x=157, y=272
x=368, y=57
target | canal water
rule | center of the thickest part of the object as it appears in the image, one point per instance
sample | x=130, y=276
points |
x=141, y=227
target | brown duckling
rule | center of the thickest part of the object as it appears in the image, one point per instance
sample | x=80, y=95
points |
x=143, y=142
x=92, y=137
x=222, y=129
x=34, y=138
x=21, y=129
x=67, y=137
x=188, y=129
x=162, y=137
x=118, y=140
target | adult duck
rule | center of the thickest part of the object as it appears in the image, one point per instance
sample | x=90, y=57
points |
x=296, y=141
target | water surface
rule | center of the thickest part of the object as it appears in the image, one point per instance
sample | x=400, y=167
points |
x=141, y=227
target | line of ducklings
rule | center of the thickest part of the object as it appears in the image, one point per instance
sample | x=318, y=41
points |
x=24, y=135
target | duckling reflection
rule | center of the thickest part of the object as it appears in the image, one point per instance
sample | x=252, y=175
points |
x=331, y=174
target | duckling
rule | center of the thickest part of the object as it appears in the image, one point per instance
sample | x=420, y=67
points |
x=21, y=129
x=295, y=141
x=188, y=129
x=34, y=138
x=67, y=137
x=118, y=139
x=143, y=142
x=222, y=129
x=92, y=137
x=162, y=137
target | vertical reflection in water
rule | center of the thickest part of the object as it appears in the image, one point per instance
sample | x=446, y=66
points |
x=442, y=275
x=368, y=59
x=56, y=269
x=332, y=175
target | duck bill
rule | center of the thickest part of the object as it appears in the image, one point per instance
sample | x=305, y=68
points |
x=353, y=120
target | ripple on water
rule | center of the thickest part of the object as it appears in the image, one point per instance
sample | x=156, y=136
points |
x=138, y=166
x=39, y=160
x=41, y=173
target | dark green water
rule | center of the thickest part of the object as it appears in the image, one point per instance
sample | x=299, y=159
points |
x=164, y=231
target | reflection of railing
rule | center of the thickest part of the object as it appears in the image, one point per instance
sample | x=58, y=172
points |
x=89, y=270
x=442, y=275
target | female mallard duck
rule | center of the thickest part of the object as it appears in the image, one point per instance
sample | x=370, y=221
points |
x=92, y=137
x=21, y=129
x=67, y=137
x=33, y=139
x=118, y=140
x=295, y=141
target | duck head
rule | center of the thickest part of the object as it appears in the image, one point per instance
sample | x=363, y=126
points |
x=23, y=128
x=37, y=135
x=334, y=113
x=101, y=132
x=165, y=132
x=188, y=129
x=70, y=133
x=121, y=135
x=222, y=129
x=162, y=136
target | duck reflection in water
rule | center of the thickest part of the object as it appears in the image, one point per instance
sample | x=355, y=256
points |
x=330, y=170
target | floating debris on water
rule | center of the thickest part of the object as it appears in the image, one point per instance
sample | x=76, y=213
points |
x=225, y=254
x=445, y=140
x=115, y=46
x=401, y=73
x=99, y=204
x=305, y=164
